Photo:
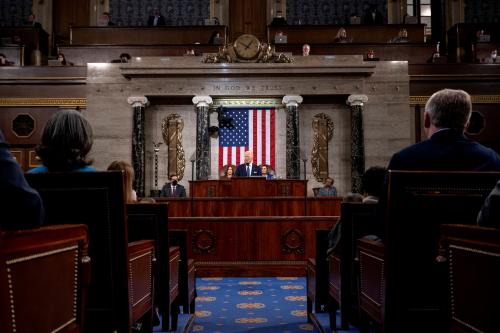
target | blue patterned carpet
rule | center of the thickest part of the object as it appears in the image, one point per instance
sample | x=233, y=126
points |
x=230, y=305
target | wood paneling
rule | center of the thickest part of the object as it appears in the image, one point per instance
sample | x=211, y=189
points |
x=218, y=244
x=168, y=35
x=66, y=14
x=247, y=17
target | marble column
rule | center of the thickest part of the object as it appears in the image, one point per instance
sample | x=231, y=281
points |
x=357, y=140
x=292, y=136
x=202, y=137
x=138, y=142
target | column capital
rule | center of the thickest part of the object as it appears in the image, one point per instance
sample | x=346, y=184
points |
x=200, y=100
x=356, y=100
x=292, y=100
x=135, y=101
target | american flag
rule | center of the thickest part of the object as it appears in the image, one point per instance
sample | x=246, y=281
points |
x=250, y=129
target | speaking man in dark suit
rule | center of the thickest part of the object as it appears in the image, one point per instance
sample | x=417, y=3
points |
x=173, y=189
x=248, y=169
x=446, y=117
x=156, y=19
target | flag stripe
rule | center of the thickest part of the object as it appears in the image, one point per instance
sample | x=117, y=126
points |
x=253, y=134
x=272, y=155
x=259, y=137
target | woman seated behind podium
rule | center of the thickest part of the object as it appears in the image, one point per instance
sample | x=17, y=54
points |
x=129, y=178
x=228, y=173
x=265, y=172
x=341, y=37
x=66, y=141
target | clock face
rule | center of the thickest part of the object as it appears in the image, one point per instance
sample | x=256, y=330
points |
x=247, y=46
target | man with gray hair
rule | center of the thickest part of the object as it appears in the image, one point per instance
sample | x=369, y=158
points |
x=446, y=117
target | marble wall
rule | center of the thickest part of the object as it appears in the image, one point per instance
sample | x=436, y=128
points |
x=387, y=117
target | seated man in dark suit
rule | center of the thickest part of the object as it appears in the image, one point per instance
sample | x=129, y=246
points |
x=248, y=169
x=156, y=19
x=446, y=117
x=20, y=205
x=173, y=189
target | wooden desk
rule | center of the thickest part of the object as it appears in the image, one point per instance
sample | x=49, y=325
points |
x=14, y=54
x=248, y=187
x=34, y=39
x=325, y=34
x=252, y=246
x=414, y=53
x=80, y=55
x=252, y=206
x=144, y=35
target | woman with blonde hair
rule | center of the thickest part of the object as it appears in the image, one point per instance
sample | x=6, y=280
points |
x=131, y=196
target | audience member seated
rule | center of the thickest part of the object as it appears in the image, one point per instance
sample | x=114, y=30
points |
x=173, y=189
x=33, y=22
x=62, y=59
x=373, y=16
x=446, y=115
x=265, y=173
x=402, y=37
x=156, y=19
x=372, y=182
x=105, y=20
x=66, y=141
x=489, y=216
x=328, y=190
x=215, y=39
x=4, y=61
x=334, y=234
x=341, y=37
x=128, y=178
x=228, y=173
x=248, y=169
x=306, y=48
x=124, y=58
x=21, y=205
x=189, y=52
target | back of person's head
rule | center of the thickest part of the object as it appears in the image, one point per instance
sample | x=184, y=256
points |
x=66, y=141
x=449, y=108
x=373, y=181
x=129, y=177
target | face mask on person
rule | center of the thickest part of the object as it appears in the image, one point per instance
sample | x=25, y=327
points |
x=174, y=182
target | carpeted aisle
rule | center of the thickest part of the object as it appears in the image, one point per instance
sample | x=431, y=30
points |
x=230, y=305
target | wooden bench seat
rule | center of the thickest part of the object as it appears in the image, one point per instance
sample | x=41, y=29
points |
x=473, y=262
x=121, y=290
x=44, y=277
x=358, y=219
x=418, y=203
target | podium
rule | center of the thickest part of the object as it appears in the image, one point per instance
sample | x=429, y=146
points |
x=244, y=187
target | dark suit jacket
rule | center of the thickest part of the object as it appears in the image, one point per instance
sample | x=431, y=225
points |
x=20, y=205
x=161, y=20
x=166, y=191
x=368, y=18
x=241, y=170
x=446, y=150
x=489, y=216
